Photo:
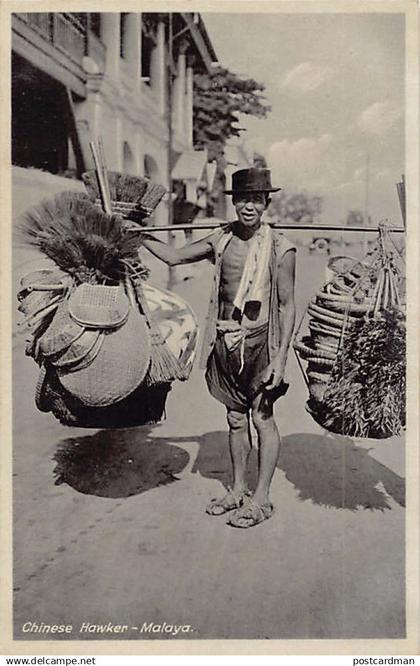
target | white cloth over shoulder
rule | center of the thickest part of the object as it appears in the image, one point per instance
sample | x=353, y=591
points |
x=254, y=276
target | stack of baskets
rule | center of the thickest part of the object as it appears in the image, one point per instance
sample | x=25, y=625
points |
x=355, y=346
x=342, y=301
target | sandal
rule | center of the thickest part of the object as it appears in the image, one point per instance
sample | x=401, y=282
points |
x=230, y=501
x=251, y=514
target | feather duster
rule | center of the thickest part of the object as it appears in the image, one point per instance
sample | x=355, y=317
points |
x=82, y=240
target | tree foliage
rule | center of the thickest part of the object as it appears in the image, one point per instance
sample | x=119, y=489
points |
x=295, y=208
x=219, y=99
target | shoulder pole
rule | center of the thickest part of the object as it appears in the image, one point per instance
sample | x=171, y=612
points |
x=274, y=225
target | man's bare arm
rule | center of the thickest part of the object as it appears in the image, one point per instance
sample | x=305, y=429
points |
x=196, y=251
x=286, y=290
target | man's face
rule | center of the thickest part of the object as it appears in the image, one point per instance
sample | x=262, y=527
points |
x=250, y=206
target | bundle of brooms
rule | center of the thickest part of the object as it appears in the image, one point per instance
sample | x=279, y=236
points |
x=356, y=349
x=131, y=197
x=92, y=246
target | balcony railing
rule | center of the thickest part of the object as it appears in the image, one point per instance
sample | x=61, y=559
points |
x=66, y=32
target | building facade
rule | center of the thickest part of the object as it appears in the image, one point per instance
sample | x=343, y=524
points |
x=125, y=77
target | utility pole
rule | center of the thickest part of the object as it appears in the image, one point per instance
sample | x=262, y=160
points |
x=367, y=189
x=171, y=271
x=366, y=215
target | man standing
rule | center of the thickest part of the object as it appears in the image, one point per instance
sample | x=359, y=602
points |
x=247, y=336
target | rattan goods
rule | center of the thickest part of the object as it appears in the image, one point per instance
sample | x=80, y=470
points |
x=41, y=398
x=77, y=351
x=62, y=332
x=318, y=382
x=326, y=316
x=355, y=348
x=322, y=346
x=106, y=360
x=132, y=197
x=342, y=305
x=42, y=276
x=35, y=302
x=120, y=366
x=99, y=306
x=317, y=327
x=146, y=404
x=315, y=310
x=311, y=353
x=85, y=360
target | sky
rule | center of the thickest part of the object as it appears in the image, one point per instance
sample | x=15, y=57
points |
x=335, y=84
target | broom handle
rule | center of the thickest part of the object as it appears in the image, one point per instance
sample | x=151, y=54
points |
x=394, y=289
x=45, y=287
x=104, y=171
x=102, y=189
x=379, y=294
x=386, y=291
x=33, y=319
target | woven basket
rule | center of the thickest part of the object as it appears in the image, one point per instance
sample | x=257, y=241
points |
x=42, y=275
x=317, y=327
x=340, y=286
x=335, y=320
x=311, y=353
x=318, y=383
x=84, y=361
x=318, y=363
x=324, y=346
x=62, y=332
x=33, y=302
x=333, y=290
x=77, y=351
x=99, y=306
x=337, y=305
x=340, y=264
x=321, y=309
x=143, y=406
x=120, y=366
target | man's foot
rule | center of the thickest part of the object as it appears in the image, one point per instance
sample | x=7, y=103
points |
x=232, y=500
x=251, y=514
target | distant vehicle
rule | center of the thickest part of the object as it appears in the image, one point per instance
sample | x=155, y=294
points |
x=321, y=245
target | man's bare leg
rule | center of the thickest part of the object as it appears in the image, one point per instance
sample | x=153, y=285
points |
x=240, y=447
x=269, y=447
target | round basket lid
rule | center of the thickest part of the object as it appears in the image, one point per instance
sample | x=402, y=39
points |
x=119, y=367
x=77, y=351
x=61, y=333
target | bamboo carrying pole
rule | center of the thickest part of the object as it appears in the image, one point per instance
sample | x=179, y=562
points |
x=274, y=225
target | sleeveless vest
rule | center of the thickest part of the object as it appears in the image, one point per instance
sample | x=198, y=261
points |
x=219, y=240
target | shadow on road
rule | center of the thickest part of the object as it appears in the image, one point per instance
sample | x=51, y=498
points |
x=118, y=463
x=330, y=471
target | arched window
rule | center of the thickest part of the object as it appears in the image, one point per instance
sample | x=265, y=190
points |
x=129, y=164
x=151, y=169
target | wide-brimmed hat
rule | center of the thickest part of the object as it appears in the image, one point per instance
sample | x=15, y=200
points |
x=252, y=180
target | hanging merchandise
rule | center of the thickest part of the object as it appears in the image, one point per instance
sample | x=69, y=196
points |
x=109, y=344
x=355, y=348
